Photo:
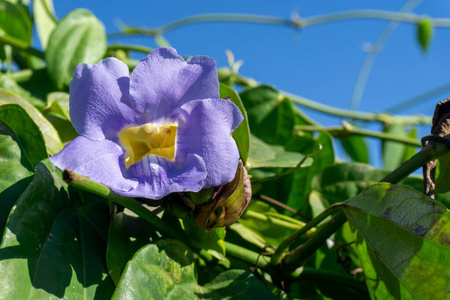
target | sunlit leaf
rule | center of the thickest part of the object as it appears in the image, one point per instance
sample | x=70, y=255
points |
x=15, y=24
x=403, y=242
x=16, y=172
x=241, y=134
x=164, y=270
x=356, y=147
x=44, y=18
x=54, y=242
x=263, y=155
x=393, y=152
x=301, y=179
x=78, y=38
x=271, y=115
x=52, y=140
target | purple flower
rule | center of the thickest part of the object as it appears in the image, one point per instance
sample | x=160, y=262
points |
x=161, y=131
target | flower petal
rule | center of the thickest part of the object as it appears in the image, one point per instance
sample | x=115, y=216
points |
x=99, y=98
x=163, y=81
x=204, y=128
x=159, y=177
x=97, y=160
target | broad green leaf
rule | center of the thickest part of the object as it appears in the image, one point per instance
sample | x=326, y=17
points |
x=15, y=175
x=164, y=270
x=12, y=86
x=242, y=133
x=342, y=181
x=270, y=114
x=52, y=140
x=55, y=242
x=425, y=31
x=44, y=18
x=248, y=235
x=263, y=155
x=356, y=147
x=302, y=178
x=410, y=150
x=267, y=223
x=58, y=105
x=236, y=284
x=26, y=131
x=57, y=112
x=127, y=234
x=15, y=24
x=393, y=152
x=78, y=38
x=403, y=242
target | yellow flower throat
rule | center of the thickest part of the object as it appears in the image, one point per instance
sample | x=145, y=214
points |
x=149, y=138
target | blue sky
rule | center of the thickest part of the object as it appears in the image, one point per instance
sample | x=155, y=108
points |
x=320, y=62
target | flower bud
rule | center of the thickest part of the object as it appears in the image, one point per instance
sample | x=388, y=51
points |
x=227, y=204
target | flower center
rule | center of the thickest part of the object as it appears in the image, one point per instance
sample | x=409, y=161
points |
x=149, y=138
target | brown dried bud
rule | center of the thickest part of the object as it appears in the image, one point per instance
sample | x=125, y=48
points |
x=227, y=204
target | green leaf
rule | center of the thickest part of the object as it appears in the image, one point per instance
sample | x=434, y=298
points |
x=16, y=172
x=236, y=284
x=78, y=38
x=26, y=131
x=55, y=242
x=442, y=182
x=342, y=181
x=425, y=30
x=164, y=270
x=15, y=24
x=44, y=18
x=52, y=140
x=127, y=234
x=267, y=223
x=12, y=86
x=242, y=133
x=58, y=105
x=356, y=147
x=248, y=235
x=393, y=152
x=410, y=150
x=271, y=115
x=403, y=242
x=302, y=178
x=263, y=155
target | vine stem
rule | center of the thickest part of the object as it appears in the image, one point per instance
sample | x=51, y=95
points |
x=270, y=20
x=348, y=129
x=330, y=110
x=372, y=54
x=20, y=45
x=96, y=188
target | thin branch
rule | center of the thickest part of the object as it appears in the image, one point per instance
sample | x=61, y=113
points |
x=284, y=206
x=137, y=48
x=348, y=129
x=418, y=99
x=21, y=46
x=372, y=54
x=270, y=20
